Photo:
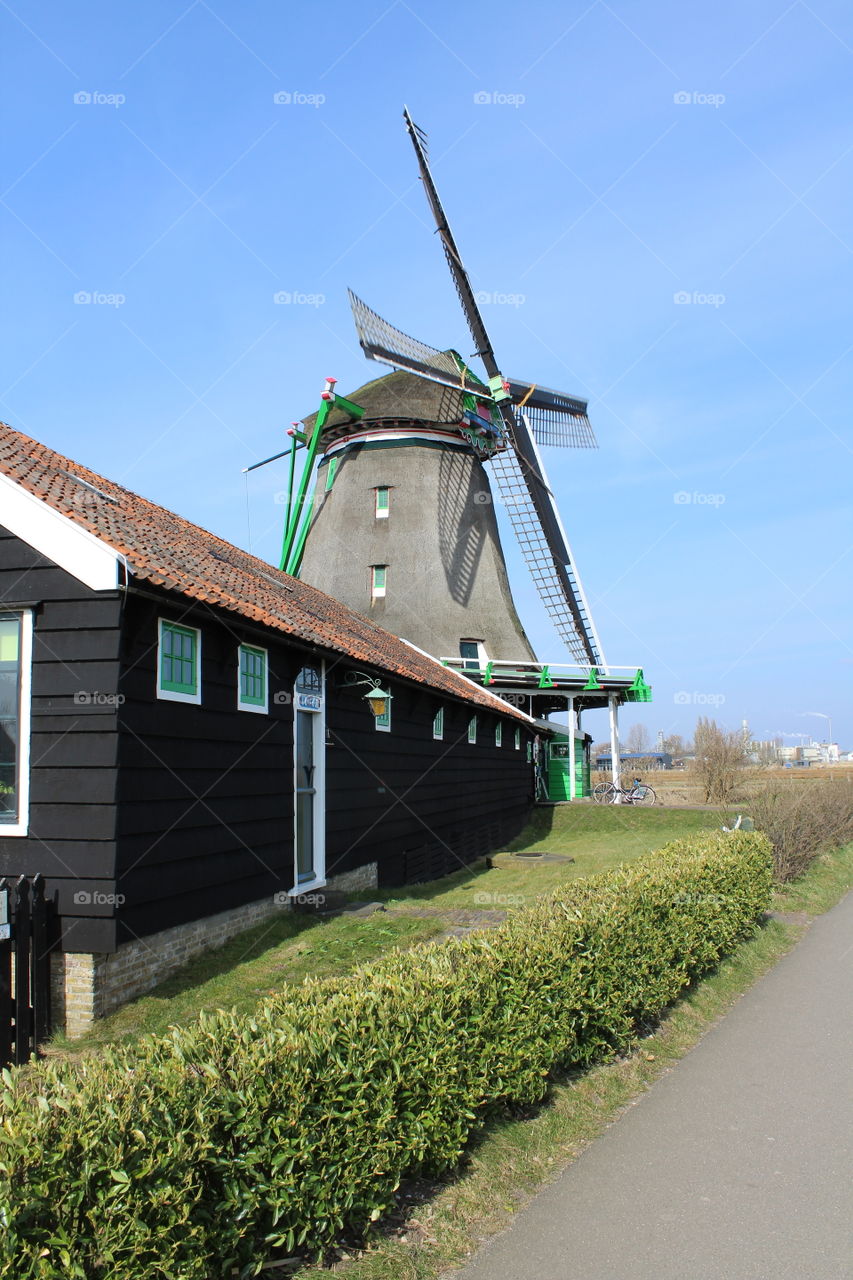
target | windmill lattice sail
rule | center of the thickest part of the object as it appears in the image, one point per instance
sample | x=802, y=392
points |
x=529, y=504
x=381, y=341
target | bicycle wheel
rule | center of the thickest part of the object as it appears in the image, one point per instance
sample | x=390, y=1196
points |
x=604, y=793
x=643, y=795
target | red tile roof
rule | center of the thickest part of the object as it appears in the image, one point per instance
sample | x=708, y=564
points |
x=170, y=552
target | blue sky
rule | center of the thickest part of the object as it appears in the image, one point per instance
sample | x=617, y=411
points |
x=597, y=161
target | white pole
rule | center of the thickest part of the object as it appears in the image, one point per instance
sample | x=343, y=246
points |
x=614, y=741
x=571, y=702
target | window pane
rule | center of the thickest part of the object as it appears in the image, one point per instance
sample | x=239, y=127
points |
x=178, y=659
x=252, y=676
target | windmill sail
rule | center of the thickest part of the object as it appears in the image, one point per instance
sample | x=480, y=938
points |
x=554, y=417
x=381, y=341
x=520, y=474
x=529, y=503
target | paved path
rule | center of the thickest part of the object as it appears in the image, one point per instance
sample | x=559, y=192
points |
x=736, y=1165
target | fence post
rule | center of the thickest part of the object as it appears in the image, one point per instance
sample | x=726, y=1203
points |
x=40, y=965
x=23, y=1019
x=5, y=976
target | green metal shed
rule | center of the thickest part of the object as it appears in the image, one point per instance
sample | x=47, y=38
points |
x=558, y=769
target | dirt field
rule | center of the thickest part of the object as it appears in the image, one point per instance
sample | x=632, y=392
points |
x=681, y=786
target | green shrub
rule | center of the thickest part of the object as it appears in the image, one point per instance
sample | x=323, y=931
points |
x=197, y=1154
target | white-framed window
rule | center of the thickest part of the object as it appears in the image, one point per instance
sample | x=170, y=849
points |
x=517, y=743
x=473, y=654
x=252, y=679
x=438, y=724
x=178, y=662
x=499, y=734
x=382, y=502
x=16, y=657
x=472, y=730
x=378, y=577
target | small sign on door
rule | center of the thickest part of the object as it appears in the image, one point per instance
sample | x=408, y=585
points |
x=308, y=702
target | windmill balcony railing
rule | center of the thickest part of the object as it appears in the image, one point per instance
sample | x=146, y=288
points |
x=570, y=677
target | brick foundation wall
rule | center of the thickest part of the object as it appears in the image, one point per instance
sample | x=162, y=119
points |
x=85, y=987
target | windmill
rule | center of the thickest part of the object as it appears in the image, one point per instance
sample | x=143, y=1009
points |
x=436, y=400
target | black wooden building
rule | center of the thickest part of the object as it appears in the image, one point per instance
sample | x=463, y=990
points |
x=185, y=737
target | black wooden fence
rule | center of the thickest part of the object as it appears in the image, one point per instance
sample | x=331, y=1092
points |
x=24, y=986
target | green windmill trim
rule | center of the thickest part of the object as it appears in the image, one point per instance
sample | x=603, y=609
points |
x=545, y=681
x=298, y=511
x=592, y=683
x=639, y=691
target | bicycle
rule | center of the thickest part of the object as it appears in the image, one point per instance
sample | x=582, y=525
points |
x=638, y=793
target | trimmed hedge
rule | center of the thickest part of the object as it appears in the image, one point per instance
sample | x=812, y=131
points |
x=197, y=1154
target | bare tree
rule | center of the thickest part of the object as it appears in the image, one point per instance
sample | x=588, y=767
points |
x=637, y=739
x=721, y=757
x=675, y=745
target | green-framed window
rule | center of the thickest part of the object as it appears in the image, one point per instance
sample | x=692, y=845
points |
x=252, y=691
x=378, y=579
x=383, y=502
x=517, y=743
x=472, y=729
x=331, y=471
x=438, y=724
x=179, y=663
x=499, y=734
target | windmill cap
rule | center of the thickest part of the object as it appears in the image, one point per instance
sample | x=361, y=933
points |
x=399, y=396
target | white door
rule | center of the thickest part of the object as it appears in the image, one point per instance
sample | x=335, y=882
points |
x=309, y=735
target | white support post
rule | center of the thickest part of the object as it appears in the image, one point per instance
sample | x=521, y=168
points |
x=613, y=702
x=572, y=731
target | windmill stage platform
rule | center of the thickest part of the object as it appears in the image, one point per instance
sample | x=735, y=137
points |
x=548, y=686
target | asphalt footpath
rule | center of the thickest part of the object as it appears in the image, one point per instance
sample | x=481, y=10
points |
x=736, y=1165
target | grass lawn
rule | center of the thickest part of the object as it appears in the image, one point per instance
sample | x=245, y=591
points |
x=290, y=947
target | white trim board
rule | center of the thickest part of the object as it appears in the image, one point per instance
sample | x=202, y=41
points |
x=58, y=538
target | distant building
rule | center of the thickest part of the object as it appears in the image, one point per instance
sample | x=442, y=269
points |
x=649, y=759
